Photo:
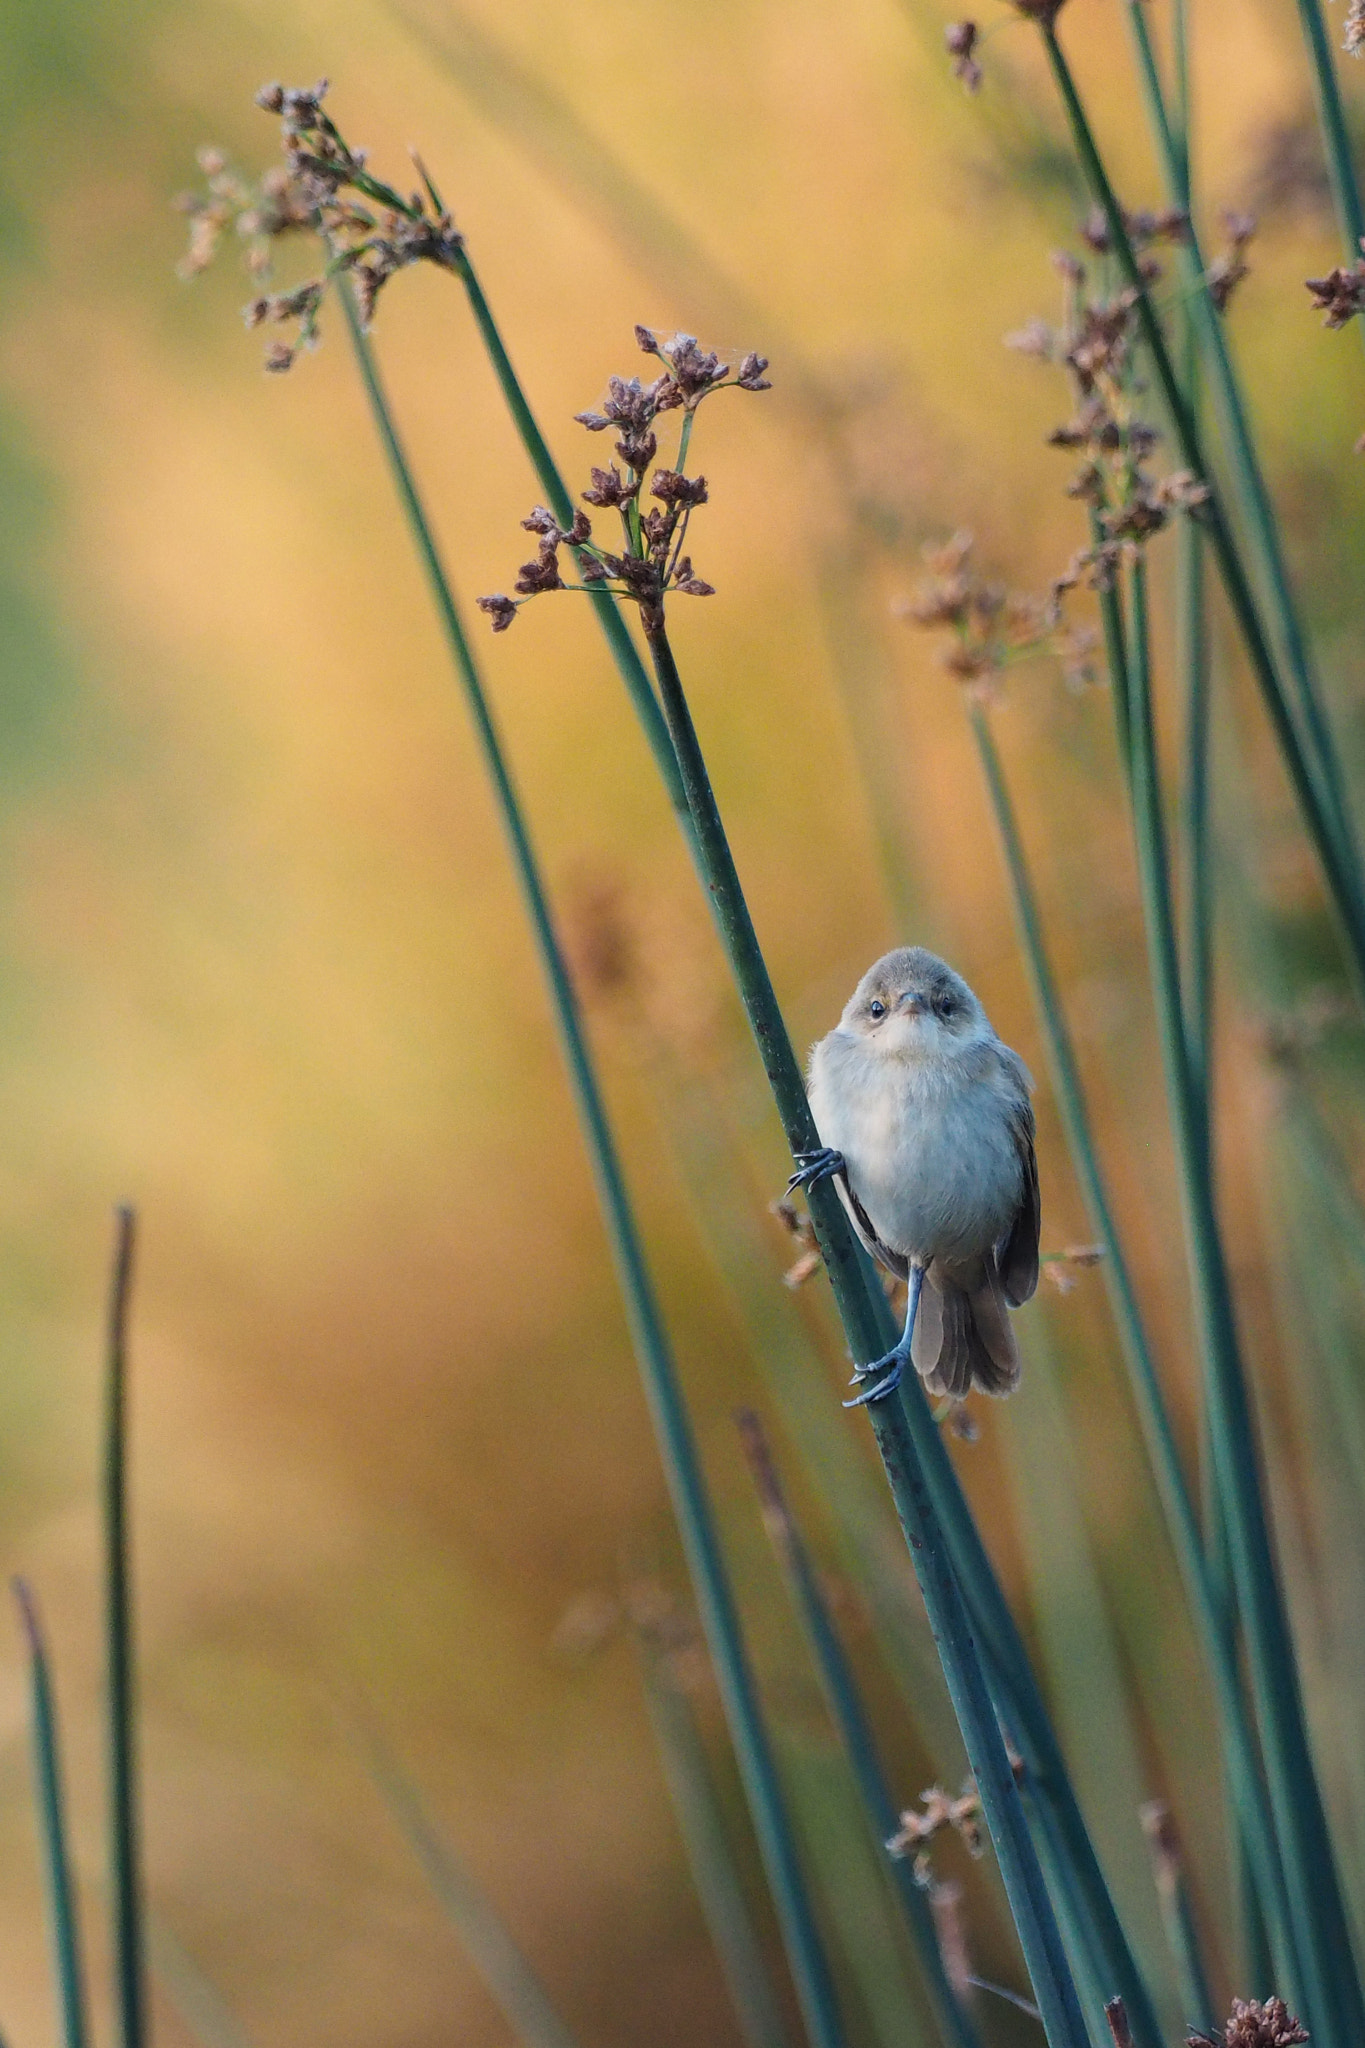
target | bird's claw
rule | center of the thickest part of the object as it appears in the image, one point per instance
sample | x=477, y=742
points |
x=815, y=1166
x=886, y=1385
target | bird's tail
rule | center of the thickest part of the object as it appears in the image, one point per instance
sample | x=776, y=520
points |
x=962, y=1332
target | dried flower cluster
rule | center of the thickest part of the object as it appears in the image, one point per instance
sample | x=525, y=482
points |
x=938, y=1810
x=993, y=627
x=1254, y=2025
x=1096, y=346
x=1230, y=265
x=323, y=188
x=960, y=38
x=1340, y=295
x=1353, y=34
x=796, y=1222
x=651, y=562
x=1064, y=1268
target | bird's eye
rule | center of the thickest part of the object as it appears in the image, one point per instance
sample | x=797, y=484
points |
x=948, y=1006
x=876, y=1010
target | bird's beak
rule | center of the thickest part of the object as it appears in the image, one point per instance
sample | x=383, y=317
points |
x=914, y=1004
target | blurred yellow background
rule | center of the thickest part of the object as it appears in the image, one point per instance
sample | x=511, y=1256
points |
x=265, y=972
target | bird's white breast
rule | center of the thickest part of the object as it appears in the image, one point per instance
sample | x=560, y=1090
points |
x=930, y=1145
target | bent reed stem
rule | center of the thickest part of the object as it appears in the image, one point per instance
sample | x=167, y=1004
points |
x=687, y=1486
x=1002, y=1807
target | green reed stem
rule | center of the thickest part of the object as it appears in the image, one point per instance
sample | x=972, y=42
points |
x=130, y=1980
x=687, y=1485
x=855, y=1732
x=864, y=1323
x=717, y=1881
x=1336, y=137
x=623, y=649
x=507, y=1975
x=63, y=1916
x=1251, y=493
x=1329, y=1986
x=1340, y=866
x=1158, y=1432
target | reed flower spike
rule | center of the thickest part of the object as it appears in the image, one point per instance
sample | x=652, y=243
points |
x=368, y=230
x=651, y=562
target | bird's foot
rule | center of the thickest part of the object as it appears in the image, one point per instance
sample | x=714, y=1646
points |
x=886, y=1372
x=815, y=1166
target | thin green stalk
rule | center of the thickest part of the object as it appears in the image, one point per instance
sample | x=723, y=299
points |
x=1330, y=1988
x=507, y=1975
x=855, y=1732
x=1252, y=496
x=623, y=649
x=63, y=1917
x=130, y=1980
x=200, y=2003
x=864, y=1324
x=1337, y=859
x=1335, y=135
x=1069, y=1854
x=1177, y=1912
x=1158, y=1433
x=718, y=1886
x=715, y=1599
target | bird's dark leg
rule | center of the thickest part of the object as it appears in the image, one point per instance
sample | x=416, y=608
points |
x=894, y=1360
x=815, y=1166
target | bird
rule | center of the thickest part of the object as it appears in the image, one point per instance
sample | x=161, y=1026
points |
x=926, y=1129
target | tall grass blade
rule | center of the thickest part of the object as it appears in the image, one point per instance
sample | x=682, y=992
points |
x=63, y=1914
x=509, y=1978
x=130, y=1982
x=865, y=1323
x=682, y=1466
x=841, y=1691
x=719, y=1890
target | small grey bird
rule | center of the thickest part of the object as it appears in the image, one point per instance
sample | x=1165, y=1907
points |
x=927, y=1130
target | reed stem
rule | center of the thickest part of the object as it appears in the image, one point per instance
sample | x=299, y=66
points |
x=1251, y=493
x=715, y=1599
x=855, y=1732
x=1159, y=1436
x=617, y=634
x=63, y=1915
x=1339, y=864
x=1328, y=1987
x=1043, y=1953
x=130, y=1978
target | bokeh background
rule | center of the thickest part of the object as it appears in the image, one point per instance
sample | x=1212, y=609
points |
x=264, y=970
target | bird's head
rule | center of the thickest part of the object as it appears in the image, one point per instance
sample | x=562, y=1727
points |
x=911, y=1005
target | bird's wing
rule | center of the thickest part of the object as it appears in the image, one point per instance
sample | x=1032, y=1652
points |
x=1019, y=1255
x=894, y=1262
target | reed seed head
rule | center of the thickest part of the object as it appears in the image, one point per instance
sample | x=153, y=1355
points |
x=960, y=38
x=367, y=230
x=651, y=562
x=1252, y=2024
